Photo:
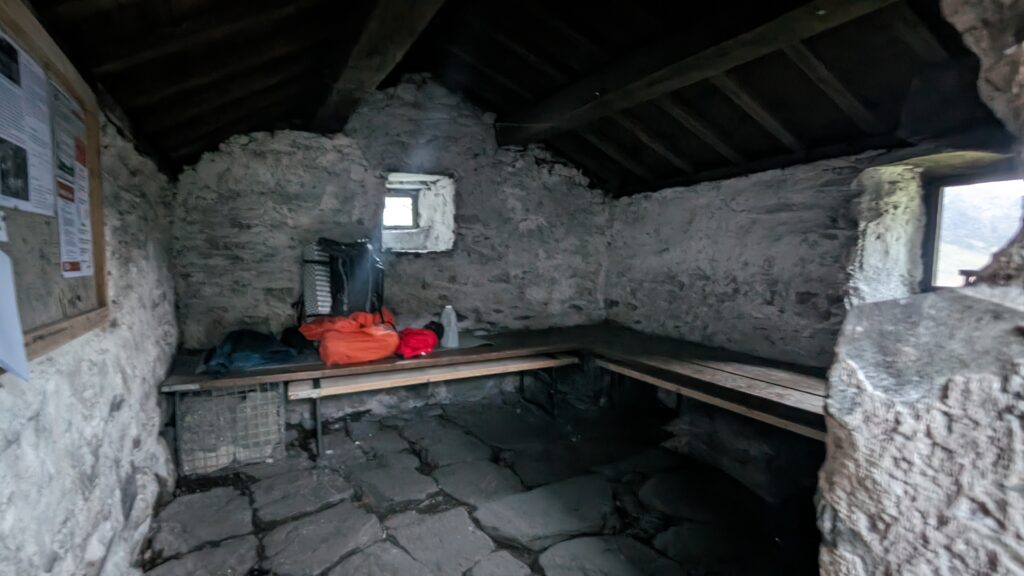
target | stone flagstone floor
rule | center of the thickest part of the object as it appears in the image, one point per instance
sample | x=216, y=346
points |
x=497, y=489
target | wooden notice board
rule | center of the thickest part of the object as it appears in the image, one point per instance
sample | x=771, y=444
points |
x=54, y=307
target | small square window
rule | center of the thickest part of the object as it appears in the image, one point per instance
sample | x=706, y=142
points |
x=971, y=223
x=419, y=213
x=399, y=211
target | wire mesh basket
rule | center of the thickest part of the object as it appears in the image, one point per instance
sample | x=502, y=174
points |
x=220, y=428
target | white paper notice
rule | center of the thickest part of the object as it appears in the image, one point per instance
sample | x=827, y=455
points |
x=73, y=215
x=12, y=341
x=26, y=149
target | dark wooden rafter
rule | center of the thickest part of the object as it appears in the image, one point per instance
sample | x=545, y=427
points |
x=700, y=128
x=752, y=106
x=496, y=76
x=616, y=153
x=914, y=33
x=229, y=97
x=262, y=117
x=664, y=67
x=75, y=9
x=245, y=64
x=181, y=135
x=651, y=141
x=834, y=88
x=188, y=40
x=883, y=142
x=389, y=32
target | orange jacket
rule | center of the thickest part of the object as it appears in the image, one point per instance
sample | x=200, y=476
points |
x=358, y=337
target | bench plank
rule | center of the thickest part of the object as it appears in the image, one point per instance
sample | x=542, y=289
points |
x=304, y=390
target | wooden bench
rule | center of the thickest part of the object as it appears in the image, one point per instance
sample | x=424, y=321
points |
x=785, y=396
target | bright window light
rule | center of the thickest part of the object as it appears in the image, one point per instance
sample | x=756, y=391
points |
x=975, y=221
x=399, y=212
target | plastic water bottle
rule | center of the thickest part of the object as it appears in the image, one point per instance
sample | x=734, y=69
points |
x=451, y=328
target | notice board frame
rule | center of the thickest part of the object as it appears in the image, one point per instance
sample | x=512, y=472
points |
x=18, y=22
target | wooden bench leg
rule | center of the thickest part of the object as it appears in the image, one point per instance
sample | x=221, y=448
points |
x=319, y=423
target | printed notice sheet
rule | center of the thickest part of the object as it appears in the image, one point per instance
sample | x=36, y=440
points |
x=26, y=152
x=72, y=177
x=12, y=341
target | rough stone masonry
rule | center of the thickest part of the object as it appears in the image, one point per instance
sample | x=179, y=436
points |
x=926, y=402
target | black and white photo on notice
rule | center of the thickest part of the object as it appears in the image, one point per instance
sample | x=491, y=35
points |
x=9, y=64
x=13, y=170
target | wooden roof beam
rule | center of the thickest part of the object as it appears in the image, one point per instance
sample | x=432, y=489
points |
x=666, y=66
x=617, y=154
x=915, y=33
x=208, y=35
x=836, y=90
x=187, y=132
x=738, y=94
x=700, y=128
x=175, y=87
x=642, y=134
x=389, y=32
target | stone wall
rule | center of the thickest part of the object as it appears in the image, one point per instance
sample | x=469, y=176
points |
x=81, y=458
x=242, y=216
x=529, y=249
x=530, y=236
x=758, y=264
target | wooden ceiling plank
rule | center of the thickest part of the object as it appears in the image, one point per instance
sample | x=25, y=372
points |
x=644, y=135
x=617, y=154
x=256, y=120
x=78, y=9
x=915, y=34
x=700, y=128
x=202, y=37
x=389, y=32
x=153, y=97
x=738, y=94
x=664, y=67
x=834, y=88
x=789, y=159
x=183, y=133
x=527, y=55
x=165, y=119
x=498, y=77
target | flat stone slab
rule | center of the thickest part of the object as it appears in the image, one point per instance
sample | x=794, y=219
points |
x=235, y=557
x=505, y=426
x=477, y=482
x=549, y=514
x=392, y=481
x=265, y=470
x=382, y=559
x=500, y=564
x=298, y=493
x=651, y=461
x=446, y=543
x=697, y=493
x=362, y=429
x=441, y=444
x=195, y=520
x=693, y=544
x=313, y=544
x=341, y=453
x=385, y=441
x=606, y=556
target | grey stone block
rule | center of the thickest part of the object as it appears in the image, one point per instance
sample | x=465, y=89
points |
x=382, y=559
x=313, y=544
x=298, y=493
x=195, y=520
x=477, y=482
x=446, y=543
x=234, y=557
x=606, y=556
x=500, y=564
x=552, y=513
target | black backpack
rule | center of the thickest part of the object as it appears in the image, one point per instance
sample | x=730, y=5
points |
x=357, y=277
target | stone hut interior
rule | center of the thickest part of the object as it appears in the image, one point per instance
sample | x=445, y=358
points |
x=457, y=288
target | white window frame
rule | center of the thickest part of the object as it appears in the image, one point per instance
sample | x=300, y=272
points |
x=433, y=213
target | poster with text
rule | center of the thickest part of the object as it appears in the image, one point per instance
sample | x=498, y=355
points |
x=26, y=151
x=72, y=180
